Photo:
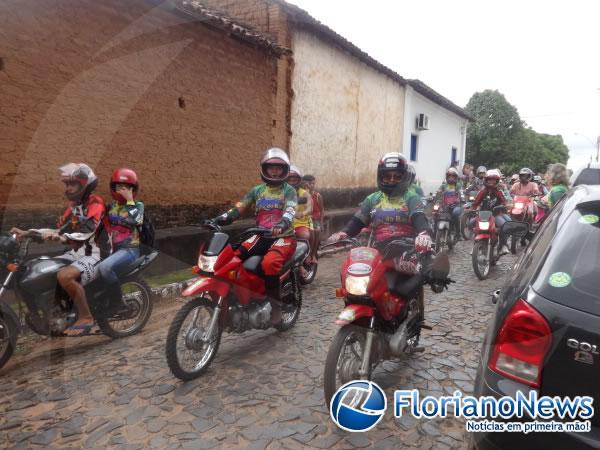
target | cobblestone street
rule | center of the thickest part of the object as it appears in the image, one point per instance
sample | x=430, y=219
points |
x=263, y=390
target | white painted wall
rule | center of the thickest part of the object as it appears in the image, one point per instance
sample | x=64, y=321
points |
x=434, y=150
x=345, y=114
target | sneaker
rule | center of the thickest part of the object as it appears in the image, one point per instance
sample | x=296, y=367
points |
x=504, y=250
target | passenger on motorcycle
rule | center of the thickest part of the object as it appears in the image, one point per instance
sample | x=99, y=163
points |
x=394, y=210
x=274, y=203
x=525, y=186
x=479, y=180
x=302, y=222
x=123, y=221
x=541, y=184
x=557, y=177
x=79, y=227
x=490, y=197
x=451, y=193
x=318, y=214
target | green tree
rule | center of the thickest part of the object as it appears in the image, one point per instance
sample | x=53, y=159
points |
x=500, y=139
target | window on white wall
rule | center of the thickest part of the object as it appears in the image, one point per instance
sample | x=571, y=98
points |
x=414, y=141
x=453, y=160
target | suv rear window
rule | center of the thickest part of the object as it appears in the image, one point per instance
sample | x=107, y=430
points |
x=588, y=176
x=571, y=273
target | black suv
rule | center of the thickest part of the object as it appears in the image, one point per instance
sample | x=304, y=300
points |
x=545, y=334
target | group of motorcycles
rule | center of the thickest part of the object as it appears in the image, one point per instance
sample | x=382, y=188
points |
x=480, y=226
x=382, y=317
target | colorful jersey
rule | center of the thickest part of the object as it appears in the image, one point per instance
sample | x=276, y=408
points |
x=556, y=193
x=451, y=193
x=123, y=221
x=300, y=220
x=390, y=216
x=85, y=218
x=316, y=204
x=528, y=189
x=271, y=204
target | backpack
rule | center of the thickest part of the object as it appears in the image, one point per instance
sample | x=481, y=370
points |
x=146, y=236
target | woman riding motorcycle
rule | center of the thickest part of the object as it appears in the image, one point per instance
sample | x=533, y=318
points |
x=451, y=192
x=394, y=210
x=123, y=221
x=490, y=197
x=274, y=203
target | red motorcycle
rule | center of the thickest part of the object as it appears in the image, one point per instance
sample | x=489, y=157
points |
x=384, y=310
x=523, y=210
x=486, y=244
x=228, y=295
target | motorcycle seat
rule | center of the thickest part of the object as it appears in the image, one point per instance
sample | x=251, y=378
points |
x=252, y=264
x=138, y=263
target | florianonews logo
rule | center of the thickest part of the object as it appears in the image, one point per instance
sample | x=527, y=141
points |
x=358, y=406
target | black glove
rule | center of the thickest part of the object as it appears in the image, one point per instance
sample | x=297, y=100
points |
x=223, y=219
x=281, y=227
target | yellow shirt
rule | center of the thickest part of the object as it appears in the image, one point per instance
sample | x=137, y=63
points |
x=305, y=221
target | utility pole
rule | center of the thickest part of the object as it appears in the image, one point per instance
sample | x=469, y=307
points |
x=597, y=148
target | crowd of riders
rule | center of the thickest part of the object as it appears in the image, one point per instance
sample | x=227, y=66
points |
x=104, y=239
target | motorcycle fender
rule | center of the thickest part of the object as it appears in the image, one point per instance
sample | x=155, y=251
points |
x=443, y=225
x=204, y=284
x=481, y=237
x=354, y=312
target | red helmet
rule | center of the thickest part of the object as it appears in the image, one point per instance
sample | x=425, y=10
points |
x=274, y=156
x=123, y=176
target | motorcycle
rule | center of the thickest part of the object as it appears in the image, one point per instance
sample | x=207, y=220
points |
x=524, y=211
x=486, y=244
x=50, y=310
x=444, y=232
x=229, y=295
x=465, y=219
x=384, y=309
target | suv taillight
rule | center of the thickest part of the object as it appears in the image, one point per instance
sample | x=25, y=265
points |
x=521, y=345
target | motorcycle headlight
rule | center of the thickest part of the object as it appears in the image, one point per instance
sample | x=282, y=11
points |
x=519, y=205
x=471, y=198
x=357, y=285
x=436, y=207
x=484, y=225
x=207, y=263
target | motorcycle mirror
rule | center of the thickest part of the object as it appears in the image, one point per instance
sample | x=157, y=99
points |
x=440, y=267
x=495, y=296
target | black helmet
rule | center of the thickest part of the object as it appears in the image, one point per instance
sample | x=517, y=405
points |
x=81, y=174
x=525, y=175
x=394, y=162
x=274, y=156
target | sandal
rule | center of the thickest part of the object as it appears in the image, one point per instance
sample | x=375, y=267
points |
x=84, y=330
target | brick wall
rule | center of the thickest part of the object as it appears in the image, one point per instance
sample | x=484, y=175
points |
x=117, y=83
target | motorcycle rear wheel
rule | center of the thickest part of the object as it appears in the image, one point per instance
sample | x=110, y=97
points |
x=481, y=266
x=185, y=344
x=309, y=274
x=292, y=304
x=138, y=299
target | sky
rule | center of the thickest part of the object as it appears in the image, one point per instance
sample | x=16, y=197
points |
x=544, y=56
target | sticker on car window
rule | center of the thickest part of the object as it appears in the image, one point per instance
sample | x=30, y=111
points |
x=559, y=279
x=589, y=219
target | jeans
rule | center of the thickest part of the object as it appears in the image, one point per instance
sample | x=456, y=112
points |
x=456, y=213
x=501, y=219
x=111, y=268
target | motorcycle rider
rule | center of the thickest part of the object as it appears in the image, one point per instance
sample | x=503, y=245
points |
x=451, y=192
x=394, y=210
x=478, y=182
x=274, y=203
x=79, y=227
x=488, y=198
x=123, y=220
x=557, y=177
x=525, y=186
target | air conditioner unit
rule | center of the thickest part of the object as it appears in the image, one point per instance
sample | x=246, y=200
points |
x=422, y=122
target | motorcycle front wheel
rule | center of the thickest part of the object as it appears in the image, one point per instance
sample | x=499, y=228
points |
x=8, y=340
x=344, y=359
x=480, y=260
x=189, y=351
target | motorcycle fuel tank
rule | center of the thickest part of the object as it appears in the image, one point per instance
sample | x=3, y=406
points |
x=40, y=274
